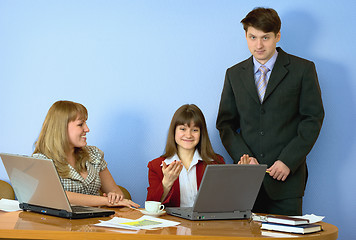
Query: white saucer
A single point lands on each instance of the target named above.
(153, 214)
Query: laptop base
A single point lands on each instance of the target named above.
(190, 215)
(65, 214)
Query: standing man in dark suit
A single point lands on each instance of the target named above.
(271, 112)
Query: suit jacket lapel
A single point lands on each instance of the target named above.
(278, 73)
(249, 80)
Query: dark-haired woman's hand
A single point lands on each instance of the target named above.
(170, 174)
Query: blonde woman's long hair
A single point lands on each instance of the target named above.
(53, 139)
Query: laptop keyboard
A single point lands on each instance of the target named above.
(81, 209)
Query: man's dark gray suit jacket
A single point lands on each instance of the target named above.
(284, 127)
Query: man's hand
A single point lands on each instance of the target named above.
(246, 159)
(279, 171)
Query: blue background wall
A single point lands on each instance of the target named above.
(133, 63)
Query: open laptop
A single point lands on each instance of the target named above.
(226, 191)
(38, 188)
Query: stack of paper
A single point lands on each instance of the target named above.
(310, 217)
(145, 222)
(303, 228)
(292, 224)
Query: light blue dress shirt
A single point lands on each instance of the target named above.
(269, 65)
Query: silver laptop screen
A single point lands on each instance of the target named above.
(35, 181)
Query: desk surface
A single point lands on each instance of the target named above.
(28, 225)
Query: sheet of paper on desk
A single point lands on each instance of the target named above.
(144, 222)
(8, 205)
(311, 217)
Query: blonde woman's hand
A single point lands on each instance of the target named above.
(113, 197)
(124, 203)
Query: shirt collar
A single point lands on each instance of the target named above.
(269, 64)
(175, 157)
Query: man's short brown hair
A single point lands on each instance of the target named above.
(264, 19)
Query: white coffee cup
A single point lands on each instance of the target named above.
(153, 207)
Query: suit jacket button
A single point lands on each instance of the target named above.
(262, 155)
(262, 133)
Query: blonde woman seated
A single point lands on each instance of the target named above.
(82, 169)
